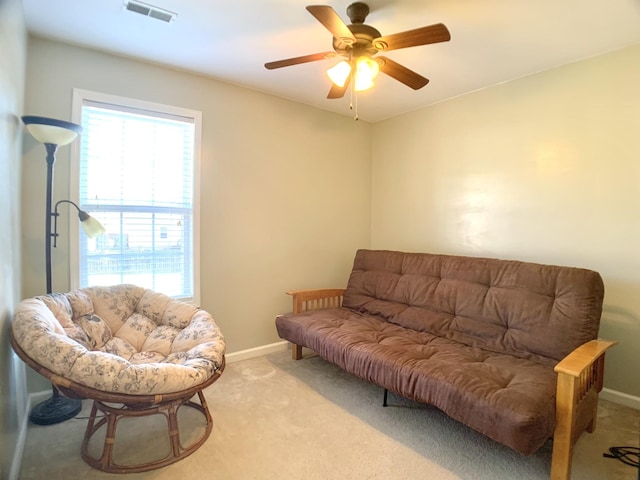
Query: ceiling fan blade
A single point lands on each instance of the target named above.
(401, 73)
(297, 60)
(338, 92)
(412, 38)
(328, 17)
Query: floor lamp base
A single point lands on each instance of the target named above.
(55, 410)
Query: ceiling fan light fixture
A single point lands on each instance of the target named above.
(339, 73)
(367, 70)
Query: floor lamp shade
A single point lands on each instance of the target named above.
(91, 226)
(51, 130)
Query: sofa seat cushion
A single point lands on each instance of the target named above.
(120, 339)
(507, 398)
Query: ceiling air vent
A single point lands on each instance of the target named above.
(150, 11)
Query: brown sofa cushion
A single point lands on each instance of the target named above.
(540, 312)
(509, 399)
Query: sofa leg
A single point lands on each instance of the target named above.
(561, 461)
(564, 434)
(384, 400)
(591, 426)
(296, 351)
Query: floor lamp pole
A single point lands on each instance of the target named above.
(51, 158)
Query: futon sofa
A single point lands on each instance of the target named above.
(509, 348)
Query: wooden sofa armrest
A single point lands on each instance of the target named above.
(304, 300)
(580, 379)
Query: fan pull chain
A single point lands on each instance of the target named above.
(351, 96)
(356, 118)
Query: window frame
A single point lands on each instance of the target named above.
(79, 98)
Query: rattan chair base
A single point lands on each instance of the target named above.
(110, 420)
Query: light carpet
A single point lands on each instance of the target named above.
(278, 418)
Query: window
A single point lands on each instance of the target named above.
(136, 168)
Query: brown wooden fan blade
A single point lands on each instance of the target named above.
(412, 38)
(297, 60)
(328, 17)
(338, 92)
(401, 73)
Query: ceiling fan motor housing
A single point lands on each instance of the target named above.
(365, 34)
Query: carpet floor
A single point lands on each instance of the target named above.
(278, 418)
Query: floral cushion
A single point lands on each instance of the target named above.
(123, 339)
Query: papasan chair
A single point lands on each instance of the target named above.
(133, 351)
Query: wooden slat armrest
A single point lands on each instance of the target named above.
(580, 379)
(304, 300)
(582, 357)
(317, 292)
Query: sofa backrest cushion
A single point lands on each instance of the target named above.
(535, 311)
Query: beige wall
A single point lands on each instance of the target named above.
(544, 168)
(286, 188)
(13, 399)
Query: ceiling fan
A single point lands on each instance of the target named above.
(358, 43)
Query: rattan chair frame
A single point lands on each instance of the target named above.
(127, 405)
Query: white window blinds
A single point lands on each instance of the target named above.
(136, 176)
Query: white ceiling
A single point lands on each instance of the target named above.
(492, 41)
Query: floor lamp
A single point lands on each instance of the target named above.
(54, 133)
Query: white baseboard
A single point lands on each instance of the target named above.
(16, 461)
(620, 398)
(257, 351)
(36, 397)
(32, 400)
